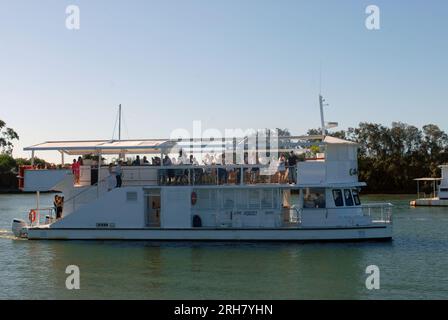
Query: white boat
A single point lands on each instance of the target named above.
(439, 197)
(249, 204)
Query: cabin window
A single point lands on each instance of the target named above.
(131, 196)
(348, 198)
(207, 199)
(314, 198)
(266, 200)
(241, 199)
(443, 189)
(338, 199)
(254, 199)
(228, 199)
(356, 197)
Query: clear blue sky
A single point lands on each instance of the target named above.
(231, 64)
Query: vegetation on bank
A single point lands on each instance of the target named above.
(389, 157)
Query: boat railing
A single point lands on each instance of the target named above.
(221, 175)
(296, 217)
(378, 212)
(39, 216)
(86, 195)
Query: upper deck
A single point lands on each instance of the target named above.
(318, 161)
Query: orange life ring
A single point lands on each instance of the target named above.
(32, 216)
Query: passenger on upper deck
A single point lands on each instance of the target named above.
(193, 160)
(76, 171)
(145, 161)
(156, 161)
(136, 161)
(292, 163)
(118, 174)
(282, 169)
(111, 179)
(222, 172)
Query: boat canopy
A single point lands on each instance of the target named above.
(158, 146)
(104, 146)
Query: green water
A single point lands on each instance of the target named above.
(414, 265)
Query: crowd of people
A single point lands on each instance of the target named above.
(212, 170)
(285, 171)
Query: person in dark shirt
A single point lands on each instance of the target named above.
(292, 163)
(136, 161)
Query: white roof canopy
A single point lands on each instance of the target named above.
(158, 146)
(103, 146)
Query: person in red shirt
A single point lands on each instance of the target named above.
(76, 170)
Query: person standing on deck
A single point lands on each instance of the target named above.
(282, 169)
(292, 163)
(118, 174)
(111, 179)
(76, 171)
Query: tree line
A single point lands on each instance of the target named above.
(391, 157)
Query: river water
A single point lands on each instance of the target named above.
(414, 265)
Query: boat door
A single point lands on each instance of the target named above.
(152, 208)
(292, 203)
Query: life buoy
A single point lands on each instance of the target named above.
(194, 198)
(32, 216)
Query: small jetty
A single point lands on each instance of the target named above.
(439, 197)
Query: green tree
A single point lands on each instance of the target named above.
(7, 163)
(7, 136)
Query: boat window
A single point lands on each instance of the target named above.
(443, 189)
(356, 197)
(207, 199)
(228, 199)
(348, 198)
(254, 199)
(314, 198)
(266, 200)
(338, 200)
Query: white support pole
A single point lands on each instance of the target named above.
(62, 158)
(99, 174)
(37, 207)
(32, 158)
(418, 190)
(434, 186)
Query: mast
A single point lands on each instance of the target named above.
(119, 122)
(322, 118)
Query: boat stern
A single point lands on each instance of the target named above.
(20, 228)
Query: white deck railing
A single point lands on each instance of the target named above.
(379, 212)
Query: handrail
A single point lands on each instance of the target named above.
(385, 211)
(299, 214)
(86, 189)
(377, 205)
(50, 210)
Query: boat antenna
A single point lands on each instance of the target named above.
(322, 104)
(119, 122)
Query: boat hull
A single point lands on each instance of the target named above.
(376, 232)
(429, 203)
